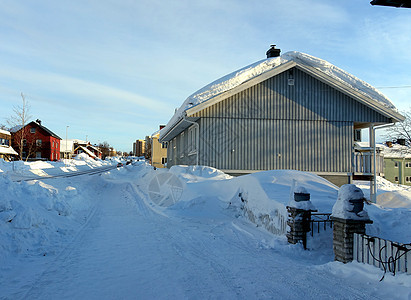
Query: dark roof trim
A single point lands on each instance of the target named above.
(393, 3)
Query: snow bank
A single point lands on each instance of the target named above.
(38, 217)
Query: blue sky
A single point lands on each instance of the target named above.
(114, 70)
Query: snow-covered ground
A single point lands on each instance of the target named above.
(138, 233)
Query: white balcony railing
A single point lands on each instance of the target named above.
(362, 162)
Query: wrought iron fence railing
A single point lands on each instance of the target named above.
(384, 254)
(320, 222)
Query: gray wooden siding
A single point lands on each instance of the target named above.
(307, 99)
(307, 127)
(178, 151)
(251, 144)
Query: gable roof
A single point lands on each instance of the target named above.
(49, 132)
(91, 154)
(255, 73)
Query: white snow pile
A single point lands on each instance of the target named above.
(344, 208)
(37, 217)
(41, 217)
(249, 72)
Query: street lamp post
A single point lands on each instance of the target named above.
(66, 144)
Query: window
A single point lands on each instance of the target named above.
(38, 143)
(33, 130)
(53, 144)
(192, 140)
(8, 142)
(164, 145)
(357, 135)
(164, 160)
(2, 141)
(407, 178)
(408, 165)
(396, 164)
(182, 147)
(24, 142)
(396, 178)
(38, 154)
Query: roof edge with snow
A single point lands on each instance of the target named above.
(258, 72)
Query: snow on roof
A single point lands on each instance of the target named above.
(91, 154)
(397, 151)
(7, 150)
(247, 73)
(4, 131)
(366, 145)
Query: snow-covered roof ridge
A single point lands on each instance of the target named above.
(341, 75)
(254, 70)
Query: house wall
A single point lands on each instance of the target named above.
(398, 168)
(5, 138)
(49, 149)
(158, 153)
(307, 126)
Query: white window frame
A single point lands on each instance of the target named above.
(39, 142)
(396, 164)
(32, 130)
(192, 140)
(182, 146)
(396, 179)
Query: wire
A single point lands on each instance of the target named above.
(392, 261)
(393, 87)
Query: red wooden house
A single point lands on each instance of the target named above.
(34, 141)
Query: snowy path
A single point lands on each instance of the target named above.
(127, 251)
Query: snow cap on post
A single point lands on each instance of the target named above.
(350, 203)
(300, 198)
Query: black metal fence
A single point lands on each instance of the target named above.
(320, 222)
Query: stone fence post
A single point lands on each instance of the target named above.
(349, 217)
(299, 216)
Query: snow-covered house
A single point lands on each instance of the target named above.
(397, 163)
(293, 111)
(6, 151)
(88, 148)
(72, 147)
(36, 141)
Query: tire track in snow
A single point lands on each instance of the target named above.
(33, 289)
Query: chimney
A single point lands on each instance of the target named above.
(401, 142)
(273, 52)
(38, 121)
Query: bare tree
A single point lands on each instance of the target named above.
(401, 130)
(17, 123)
(105, 149)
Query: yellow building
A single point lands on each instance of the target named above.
(158, 151)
